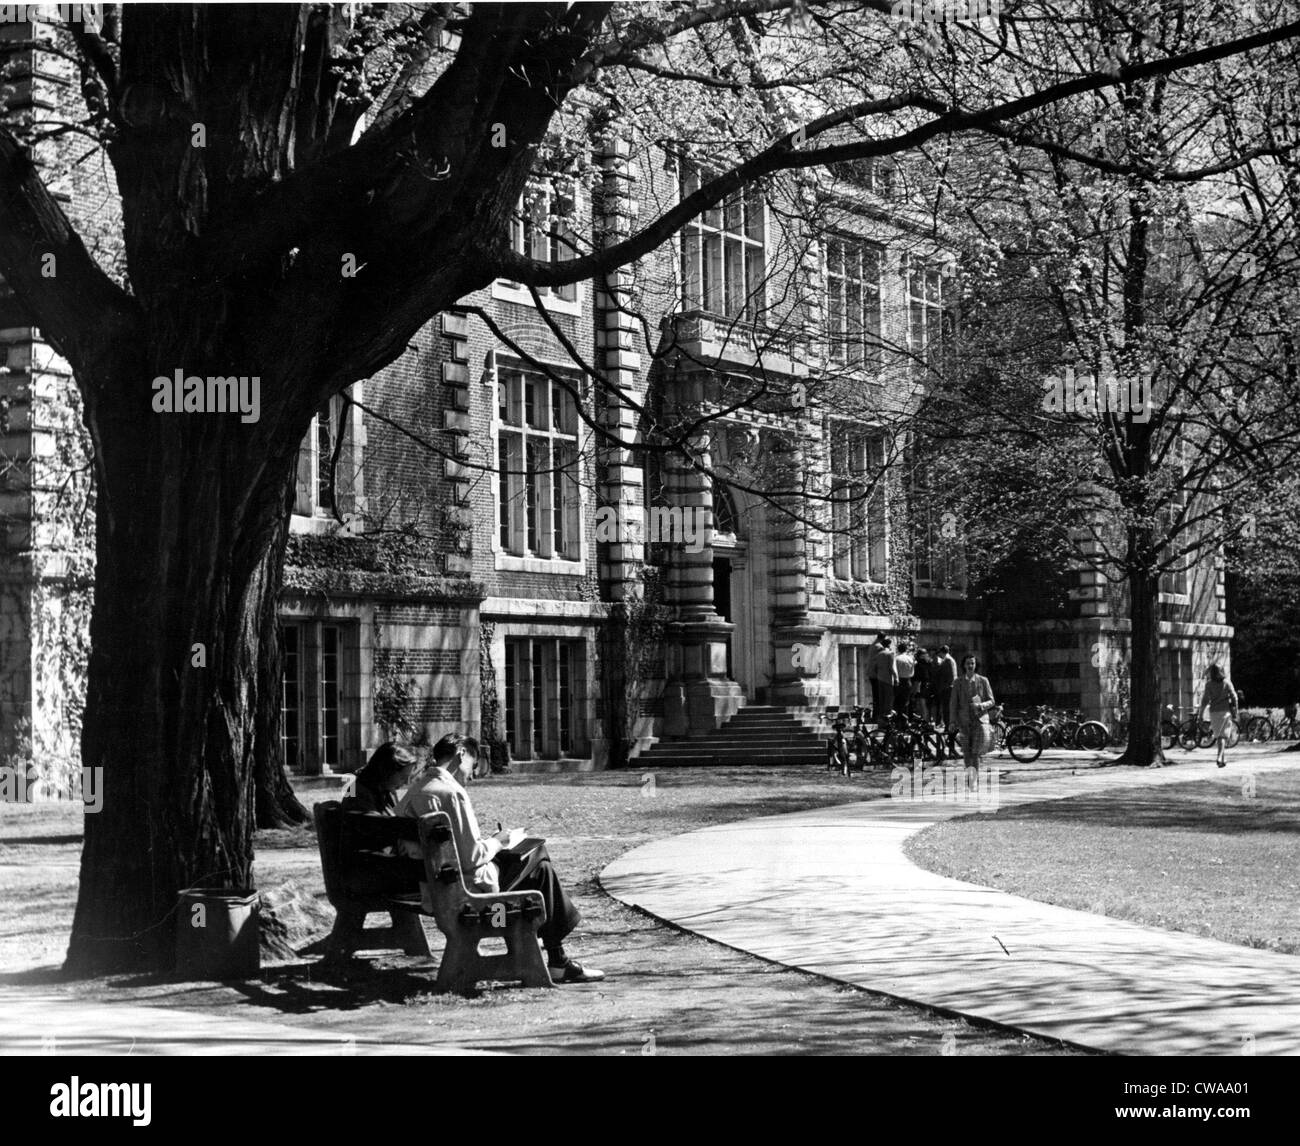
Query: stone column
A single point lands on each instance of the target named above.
(700, 696)
(800, 678)
(623, 480)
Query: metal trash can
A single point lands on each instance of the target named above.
(217, 934)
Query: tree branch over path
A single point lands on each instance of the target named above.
(784, 155)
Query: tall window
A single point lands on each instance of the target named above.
(327, 463)
(1176, 581)
(542, 229)
(723, 262)
(855, 684)
(544, 698)
(1177, 681)
(938, 558)
(291, 697)
(930, 327)
(319, 717)
(853, 301)
(858, 520)
(537, 458)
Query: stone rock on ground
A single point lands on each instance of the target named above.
(291, 918)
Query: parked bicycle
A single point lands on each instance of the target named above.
(1021, 734)
(837, 747)
(903, 741)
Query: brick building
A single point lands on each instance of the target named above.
(475, 546)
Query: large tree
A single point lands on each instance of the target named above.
(247, 195)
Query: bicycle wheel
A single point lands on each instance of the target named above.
(999, 735)
(1168, 734)
(1205, 739)
(1025, 743)
(904, 749)
(1259, 729)
(1091, 736)
(878, 739)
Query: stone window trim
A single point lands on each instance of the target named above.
(502, 560)
(859, 538)
(526, 240)
(741, 229)
(321, 519)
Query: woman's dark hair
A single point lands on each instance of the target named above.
(384, 763)
(1216, 672)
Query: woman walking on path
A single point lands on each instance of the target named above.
(972, 699)
(1221, 699)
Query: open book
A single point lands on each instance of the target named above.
(518, 841)
(520, 856)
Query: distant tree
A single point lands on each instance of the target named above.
(1169, 271)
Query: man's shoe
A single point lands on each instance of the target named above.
(575, 972)
(1222, 763)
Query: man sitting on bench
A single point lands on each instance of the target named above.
(441, 788)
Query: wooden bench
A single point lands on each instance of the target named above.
(337, 835)
(466, 918)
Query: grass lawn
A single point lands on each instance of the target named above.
(1209, 858)
(666, 991)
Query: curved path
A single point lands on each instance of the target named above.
(831, 892)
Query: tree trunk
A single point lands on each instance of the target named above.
(1144, 697)
(275, 804)
(189, 539)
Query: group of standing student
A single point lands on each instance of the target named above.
(909, 681)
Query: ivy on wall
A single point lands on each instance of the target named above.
(493, 732)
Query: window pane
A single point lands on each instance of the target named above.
(564, 411)
(566, 698)
(512, 706)
(754, 214)
(735, 272)
(733, 214)
(539, 700)
(513, 510)
(755, 270)
(330, 677)
(714, 299)
(692, 286)
(291, 697)
(324, 454)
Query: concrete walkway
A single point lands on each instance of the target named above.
(831, 892)
(44, 1021)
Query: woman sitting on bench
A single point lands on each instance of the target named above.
(376, 865)
(389, 768)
